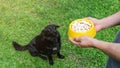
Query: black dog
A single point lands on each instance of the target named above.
(44, 45)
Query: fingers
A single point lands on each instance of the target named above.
(77, 39)
(96, 23)
(89, 18)
(74, 42)
(93, 19)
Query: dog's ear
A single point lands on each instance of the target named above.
(57, 26)
(50, 22)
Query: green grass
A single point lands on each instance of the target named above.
(22, 20)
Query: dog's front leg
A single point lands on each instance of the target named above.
(60, 56)
(42, 57)
(50, 59)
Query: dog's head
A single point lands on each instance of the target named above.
(50, 30)
(51, 37)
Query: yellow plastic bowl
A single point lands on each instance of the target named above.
(73, 34)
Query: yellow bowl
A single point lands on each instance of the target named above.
(73, 34)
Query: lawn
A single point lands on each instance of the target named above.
(22, 20)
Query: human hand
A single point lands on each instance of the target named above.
(96, 23)
(84, 41)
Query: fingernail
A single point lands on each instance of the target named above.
(76, 39)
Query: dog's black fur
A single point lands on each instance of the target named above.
(45, 44)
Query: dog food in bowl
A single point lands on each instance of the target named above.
(81, 27)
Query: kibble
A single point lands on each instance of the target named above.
(81, 26)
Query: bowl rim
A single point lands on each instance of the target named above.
(84, 19)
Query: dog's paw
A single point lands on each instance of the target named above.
(61, 56)
(51, 62)
(43, 57)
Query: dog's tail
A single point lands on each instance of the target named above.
(19, 47)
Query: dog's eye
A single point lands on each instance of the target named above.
(47, 33)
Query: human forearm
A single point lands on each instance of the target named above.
(111, 49)
(110, 20)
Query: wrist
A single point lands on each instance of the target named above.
(94, 43)
(100, 44)
(101, 24)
